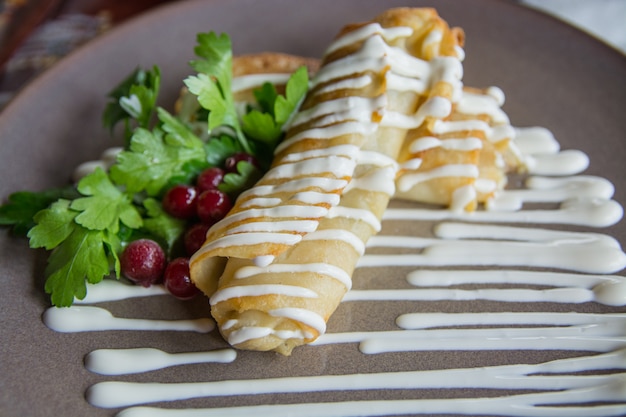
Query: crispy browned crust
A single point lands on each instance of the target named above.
(427, 19)
(424, 20)
(271, 62)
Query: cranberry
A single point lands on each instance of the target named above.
(213, 205)
(195, 237)
(230, 165)
(180, 201)
(210, 178)
(177, 279)
(143, 262)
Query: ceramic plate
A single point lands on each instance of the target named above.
(553, 76)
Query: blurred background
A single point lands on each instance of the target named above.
(34, 34)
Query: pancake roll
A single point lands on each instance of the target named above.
(278, 265)
(462, 160)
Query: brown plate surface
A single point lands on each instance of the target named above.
(553, 76)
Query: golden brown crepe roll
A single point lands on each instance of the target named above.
(462, 160)
(282, 259)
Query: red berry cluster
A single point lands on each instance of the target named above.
(202, 204)
(143, 262)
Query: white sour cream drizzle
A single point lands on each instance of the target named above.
(601, 335)
(132, 361)
(110, 290)
(89, 319)
(485, 254)
(563, 287)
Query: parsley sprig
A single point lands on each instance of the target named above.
(133, 101)
(266, 123)
(87, 226)
(261, 126)
(213, 83)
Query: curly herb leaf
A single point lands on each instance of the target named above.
(53, 225)
(262, 127)
(266, 97)
(134, 99)
(245, 177)
(104, 205)
(151, 161)
(162, 225)
(220, 148)
(22, 206)
(113, 246)
(213, 83)
(81, 255)
(295, 91)
(216, 58)
(178, 133)
(266, 125)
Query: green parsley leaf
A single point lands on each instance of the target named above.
(245, 177)
(262, 127)
(22, 206)
(113, 245)
(53, 225)
(295, 90)
(221, 107)
(216, 58)
(178, 133)
(161, 224)
(266, 97)
(81, 255)
(133, 99)
(150, 162)
(186, 174)
(105, 205)
(213, 83)
(220, 148)
(267, 126)
(141, 167)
